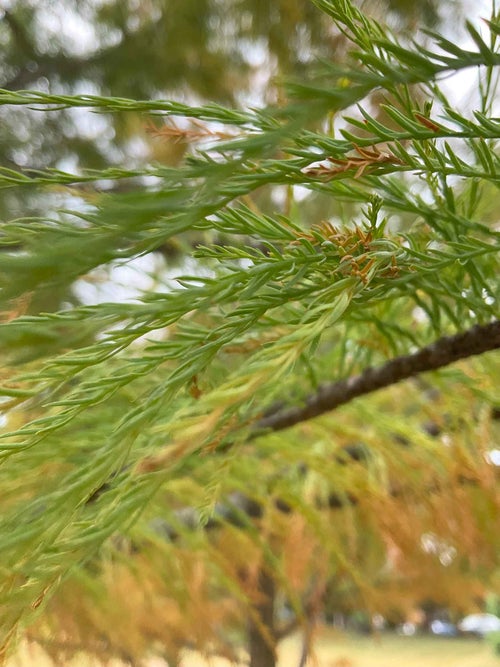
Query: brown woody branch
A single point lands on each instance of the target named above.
(441, 353)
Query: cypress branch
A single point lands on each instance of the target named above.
(441, 353)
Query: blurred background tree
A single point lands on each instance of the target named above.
(194, 50)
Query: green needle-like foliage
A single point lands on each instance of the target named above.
(109, 406)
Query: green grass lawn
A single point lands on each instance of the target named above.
(336, 649)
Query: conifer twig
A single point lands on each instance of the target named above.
(441, 353)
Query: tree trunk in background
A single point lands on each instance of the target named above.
(312, 610)
(261, 630)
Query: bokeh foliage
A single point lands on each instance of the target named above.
(192, 51)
